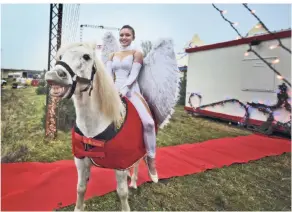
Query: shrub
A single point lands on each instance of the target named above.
(42, 88)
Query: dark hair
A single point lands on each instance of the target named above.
(130, 28)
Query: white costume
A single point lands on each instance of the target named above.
(126, 72)
(157, 79)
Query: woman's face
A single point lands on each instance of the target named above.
(126, 37)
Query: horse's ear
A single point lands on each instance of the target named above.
(89, 45)
(92, 45)
(94, 66)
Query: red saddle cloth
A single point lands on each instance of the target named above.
(121, 151)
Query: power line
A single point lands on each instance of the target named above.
(266, 28)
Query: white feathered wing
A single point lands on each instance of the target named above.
(110, 45)
(159, 80)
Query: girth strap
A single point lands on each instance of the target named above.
(78, 142)
(90, 141)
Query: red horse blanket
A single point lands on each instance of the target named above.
(114, 149)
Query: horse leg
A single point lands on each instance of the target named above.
(129, 173)
(134, 176)
(122, 188)
(83, 171)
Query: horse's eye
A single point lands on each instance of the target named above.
(86, 57)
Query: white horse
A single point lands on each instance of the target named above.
(76, 72)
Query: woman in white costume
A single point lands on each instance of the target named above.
(124, 66)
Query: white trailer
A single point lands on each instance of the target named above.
(222, 71)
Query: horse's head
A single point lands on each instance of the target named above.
(78, 70)
(74, 70)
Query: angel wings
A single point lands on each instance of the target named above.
(159, 79)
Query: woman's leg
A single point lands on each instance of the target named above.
(149, 130)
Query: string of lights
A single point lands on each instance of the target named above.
(70, 22)
(232, 24)
(266, 28)
(277, 60)
(283, 101)
(66, 31)
(270, 110)
(76, 22)
(279, 76)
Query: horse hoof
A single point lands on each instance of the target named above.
(79, 209)
(126, 209)
(133, 185)
(128, 174)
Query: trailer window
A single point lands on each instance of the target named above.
(257, 76)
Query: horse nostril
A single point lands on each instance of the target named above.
(61, 73)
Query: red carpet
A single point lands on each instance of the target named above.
(47, 186)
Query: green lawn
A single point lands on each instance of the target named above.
(22, 130)
(259, 185)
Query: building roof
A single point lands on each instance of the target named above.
(195, 41)
(182, 57)
(245, 40)
(256, 30)
(19, 70)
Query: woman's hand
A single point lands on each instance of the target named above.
(125, 91)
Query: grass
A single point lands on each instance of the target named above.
(22, 129)
(253, 186)
(184, 128)
(259, 185)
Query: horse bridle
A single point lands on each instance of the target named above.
(76, 78)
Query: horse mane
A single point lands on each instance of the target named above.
(109, 100)
(64, 48)
(110, 104)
